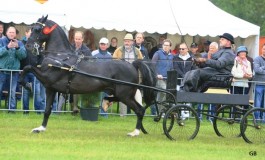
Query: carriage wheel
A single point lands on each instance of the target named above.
(181, 122)
(252, 126)
(226, 122)
(152, 124)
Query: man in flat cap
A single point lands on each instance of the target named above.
(221, 62)
(129, 53)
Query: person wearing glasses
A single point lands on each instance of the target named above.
(183, 62)
(163, 61)
(221, 62)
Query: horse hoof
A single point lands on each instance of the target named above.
(135, 133)
(35, 131)
(38, 130)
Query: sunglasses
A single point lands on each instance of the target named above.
(182, 48)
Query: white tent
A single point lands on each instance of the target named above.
(175, 17)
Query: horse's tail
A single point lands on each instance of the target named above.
(148, 75)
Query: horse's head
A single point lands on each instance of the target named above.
(40, 34)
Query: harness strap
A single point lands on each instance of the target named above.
(72, 67)
(71, 76)
(79, 59)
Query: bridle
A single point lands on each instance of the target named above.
(46, 30)
(36, 47)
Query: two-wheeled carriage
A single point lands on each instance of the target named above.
(235, 116)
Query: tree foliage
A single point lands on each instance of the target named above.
(252, 11)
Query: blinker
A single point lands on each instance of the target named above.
(47, 30)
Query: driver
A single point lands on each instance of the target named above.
(221, 62)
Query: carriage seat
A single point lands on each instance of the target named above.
(217, 82)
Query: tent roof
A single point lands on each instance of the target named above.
(163, 16)
(192, 17)
(28, 12)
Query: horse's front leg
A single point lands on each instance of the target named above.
(21, 80)
(50, 95)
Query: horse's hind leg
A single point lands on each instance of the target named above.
(50, 95)
(139, 111)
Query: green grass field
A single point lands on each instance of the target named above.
(69, 137)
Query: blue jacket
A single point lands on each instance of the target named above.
(10, 58)
(101, 55)
(163, 62)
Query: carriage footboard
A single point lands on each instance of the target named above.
(212, 98)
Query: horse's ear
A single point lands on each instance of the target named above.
(45, 19)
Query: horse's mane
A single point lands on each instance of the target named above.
(59, 29)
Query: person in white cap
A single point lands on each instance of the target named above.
(102, 54)
(128, 52)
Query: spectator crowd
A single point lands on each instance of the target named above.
(193, 66)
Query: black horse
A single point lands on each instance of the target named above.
(63, 71)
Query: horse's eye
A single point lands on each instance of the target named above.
(37, 29)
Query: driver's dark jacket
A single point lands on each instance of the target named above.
(221, 62)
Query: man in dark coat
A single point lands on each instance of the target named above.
(139, 39)
(80, 48)
(221, 62)
(183, 62)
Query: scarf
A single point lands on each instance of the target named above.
(243, 62)
(185, 57)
